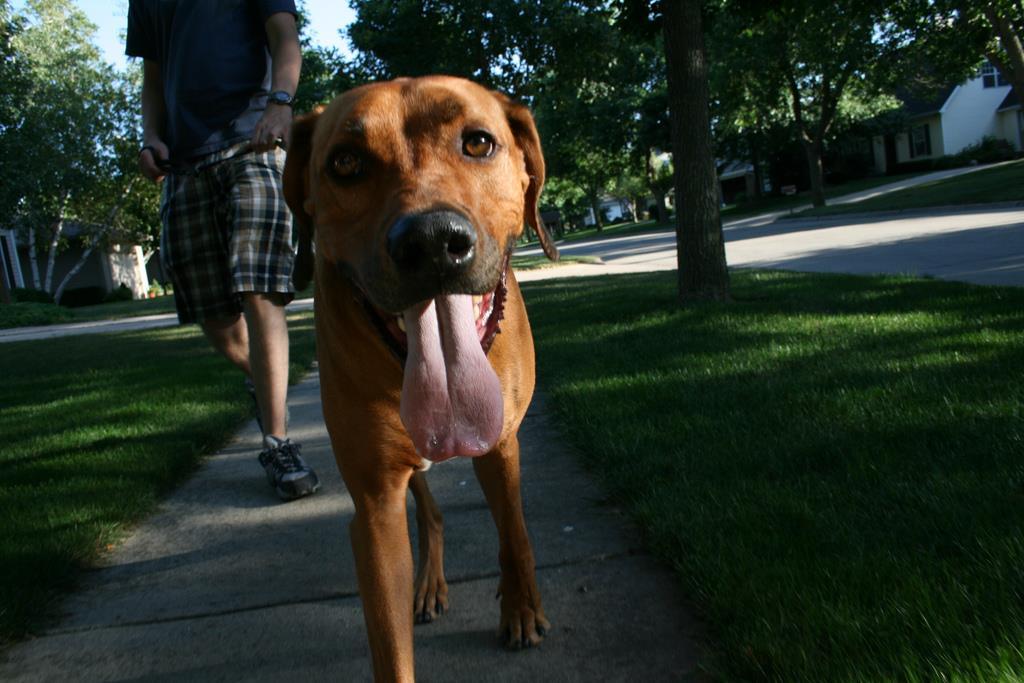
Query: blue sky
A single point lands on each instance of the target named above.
(326, 18)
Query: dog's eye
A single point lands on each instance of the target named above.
(346, 165)
(478, 145)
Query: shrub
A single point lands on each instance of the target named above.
(32, 313)
(83, 296)
(917, 166)
(986, 151)
(122, 293)
(33, 296)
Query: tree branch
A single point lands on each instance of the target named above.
(1013, 67)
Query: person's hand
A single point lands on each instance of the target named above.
(275, 126)
(153, 153)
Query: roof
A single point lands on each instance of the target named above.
(1011, 101)
(922, 104)
(734, 169)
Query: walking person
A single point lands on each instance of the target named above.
(219, 77)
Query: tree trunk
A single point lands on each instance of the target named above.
(97, 238)
(58, 228)
(51, 258)
(755, 161)
(595, 206)
(700, 246)
(812, 149)
(73, 272)
(661, 211)
(33, 259)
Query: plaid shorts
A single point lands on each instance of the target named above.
(226, 230)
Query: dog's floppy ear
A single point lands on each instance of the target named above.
(296, 192)
(525, 132)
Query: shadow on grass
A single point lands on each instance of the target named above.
(97, 429)
(831, 463)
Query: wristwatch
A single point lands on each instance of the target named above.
(280, 97)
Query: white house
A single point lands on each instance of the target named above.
(613, 209)
(958, 117)
(108, 267)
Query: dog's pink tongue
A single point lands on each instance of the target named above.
(451, 398)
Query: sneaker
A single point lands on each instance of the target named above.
(286, 471)
(251, 389)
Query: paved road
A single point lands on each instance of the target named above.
(969, 244)
(979, 244)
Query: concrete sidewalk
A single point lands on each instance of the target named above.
(225, 583)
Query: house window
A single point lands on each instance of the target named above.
(990, 77)
(920, 141)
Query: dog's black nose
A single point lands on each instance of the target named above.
(437, 244)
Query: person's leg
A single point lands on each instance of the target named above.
(268, 357)
(230, 336)
(261, 255)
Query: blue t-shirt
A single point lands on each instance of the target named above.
(215, 63)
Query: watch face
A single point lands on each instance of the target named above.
(280, 97)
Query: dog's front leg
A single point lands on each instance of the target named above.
(431, 588)
(380, 543)
(522, 617)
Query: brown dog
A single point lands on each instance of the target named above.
(415, 191)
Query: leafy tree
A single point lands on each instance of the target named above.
(660, 176)
(325, 71)
(118, 207)
(585, 137)
(633, 187)
(818, 58)
(70, 149)
(325, 74)
(1002, 23)
(653, 140)
(564, 59)
(13, 80)
(568, 198)
(951, 36)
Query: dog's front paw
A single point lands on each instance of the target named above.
(431, 596)
(522, 624)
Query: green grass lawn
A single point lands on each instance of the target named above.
(1002, 184)
(96, 430)
(832, 465)
(30, 314)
